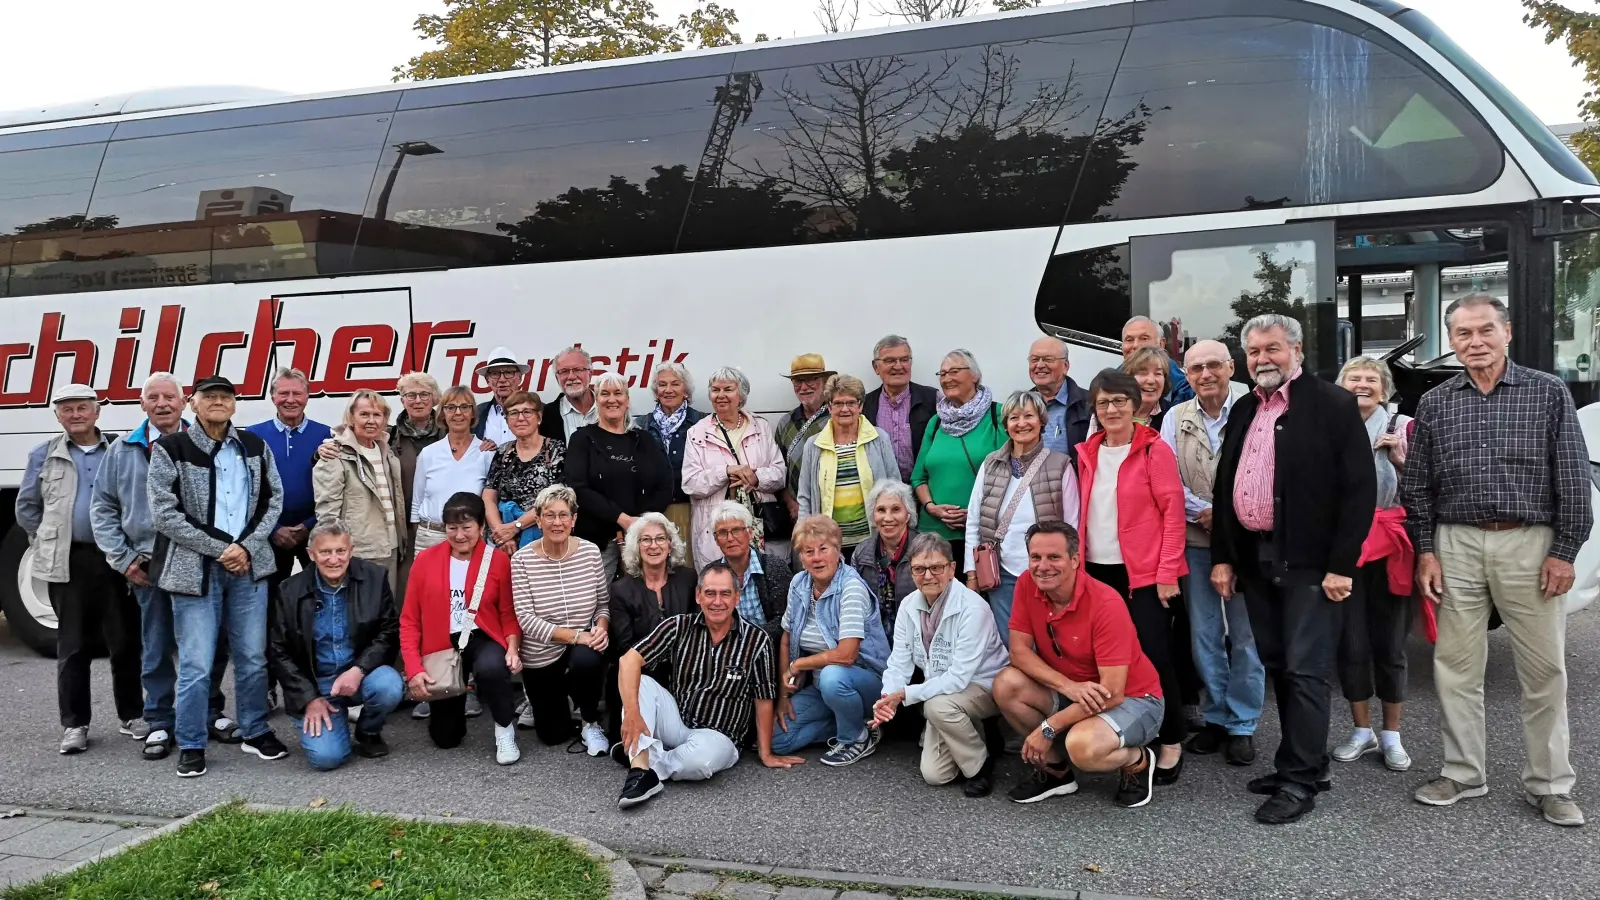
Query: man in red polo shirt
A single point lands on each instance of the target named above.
(1078, 685)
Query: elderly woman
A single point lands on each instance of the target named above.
(669, 424)
(1021, 483)
(416, 427)
(558, 584)
(831, 655)
(947, 632)
(361, 487)
(1377, 614)
(840, 463)
(883, 560)
(1150, 367)
(618, 472)
(763, 577)
(730, 455)
(1132, 535)
(448, 467)
(521, 470)
(460, 598)
(655, 585)
(966, 429)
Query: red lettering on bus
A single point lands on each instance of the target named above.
(52, 346)
(344, 359)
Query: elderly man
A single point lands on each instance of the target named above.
(1067, 405)
(900, 406)
(1297, 489)
(1142, 331)
(126, 535)
(807, 373)
(335, 633)
(504, 372)
(1234, 679)
(215, 498)
(763, 578)
(722, 683)
(575, 407)
(88, 596)
(1497, 489)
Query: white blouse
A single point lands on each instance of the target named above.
(440, 475)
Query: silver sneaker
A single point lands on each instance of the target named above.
(137, 729)
(75, 740)
(1445, 792)
(525, 717)
(421, 710)
(1396, 759)
(474, 706)
(1558, 809)
(1350, 750)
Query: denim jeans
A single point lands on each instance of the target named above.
(380, 693)
(236, 604)
(159, 672)
(835, 704)
(1235, 681)
(1000, 604)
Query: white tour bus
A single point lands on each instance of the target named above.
(965, 183)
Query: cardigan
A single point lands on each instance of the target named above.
(295, 456)
(425, 619)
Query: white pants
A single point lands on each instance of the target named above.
(678, 752)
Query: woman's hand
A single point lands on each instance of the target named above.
(504, 533)
(951, 515)
(1166, 592)
(418, 686)
(885, 708)
(513, 660)
(599, 640)
(1395, 446)
(785, 713)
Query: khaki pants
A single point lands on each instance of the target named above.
(952, 742)
(1500, 570)
(678, 514)
(426, 538)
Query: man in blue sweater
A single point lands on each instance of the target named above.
(294, 440)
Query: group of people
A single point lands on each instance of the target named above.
(1061, 573)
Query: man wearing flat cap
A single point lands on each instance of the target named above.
(807, 373)
(88, 595)
(215, 499)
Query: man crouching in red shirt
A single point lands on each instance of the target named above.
(1078, 685)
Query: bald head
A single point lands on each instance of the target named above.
(1141, 331)
(1209, 367)
(1047, 365)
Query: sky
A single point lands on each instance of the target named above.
(108, 47)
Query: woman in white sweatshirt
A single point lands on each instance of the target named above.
(946, 629)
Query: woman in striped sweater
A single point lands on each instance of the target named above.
(558, 585)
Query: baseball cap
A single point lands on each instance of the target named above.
(215, 383)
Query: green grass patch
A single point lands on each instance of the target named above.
(236, 854)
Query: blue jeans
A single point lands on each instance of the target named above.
(834, 705)
(158, 671)
(236, 604)
(1000, 604)
(1235, 683)
(381, 691)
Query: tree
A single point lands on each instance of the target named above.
(1275, 296)
(927, 10)
(1580, 32)
(1014, 5)
(77, 222)
(836, 16)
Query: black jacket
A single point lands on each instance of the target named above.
(1324, 484)
(635, 479)
(1078, 416)
(374, 625)
(634, 609)
(674, 450)
(924, 399)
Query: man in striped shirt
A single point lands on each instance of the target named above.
(722, 675)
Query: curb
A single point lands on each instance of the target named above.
(75, 815)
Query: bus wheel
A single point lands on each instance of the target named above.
(24, 599)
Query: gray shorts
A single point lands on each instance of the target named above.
(1136, 720)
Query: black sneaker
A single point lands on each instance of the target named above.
(619, 755)
(191, 763)
(1136, 788)
(1208, 741)
(982, 783)
(266, 746)
(1284, 807)
(371, 746)
(1042, 784)
(641, 785)
(1267, 785)
(1241, 750)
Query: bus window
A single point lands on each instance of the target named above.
(1086, 296)
(44, 198)
(1577, 307)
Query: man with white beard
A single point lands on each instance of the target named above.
(1293, 502)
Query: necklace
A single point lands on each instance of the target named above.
(546, 553)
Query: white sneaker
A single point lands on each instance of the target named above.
(505, 745)
(594, 739)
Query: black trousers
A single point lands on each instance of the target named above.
(1153, 622)
(285, 560)
(1183, 649)
(1372, 644)
(485, 660)
(1296, 629)
(95, 598)
(579, 674)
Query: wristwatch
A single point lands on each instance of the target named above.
(1048, 732)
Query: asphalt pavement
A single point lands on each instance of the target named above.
(1197, 839)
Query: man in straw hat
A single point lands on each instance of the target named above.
(807, 373)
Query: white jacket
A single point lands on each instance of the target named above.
(966, 647)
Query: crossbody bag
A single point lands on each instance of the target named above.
(986, 556)
(445, 666)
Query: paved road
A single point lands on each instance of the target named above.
(1197, 840)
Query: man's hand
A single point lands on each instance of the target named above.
(328, 450)
(633, 728)
(283, 536)
(1036, 749)
(1337, 587)
(1556, 577)
(1166, 593)
(319, 717)
(1092, 694)
(792, 503)
(785, 714)
(348, 682)
(1204, 518)
(418, 686)
(235, 559)
(773, 761)
(1222, 580)
(1430, 577)
(136, 574)
(885, 708)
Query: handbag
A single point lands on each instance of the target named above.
(986, 556)
(445, 666)
(776, 524)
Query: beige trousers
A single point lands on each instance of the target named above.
(425, 538)
(952, 741)
(1500, 570)
(391, 567)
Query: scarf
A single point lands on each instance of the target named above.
(956, 421)
(669, 423)
(930, 619)
(1019, 464)
(1388, 478)
(403, 429)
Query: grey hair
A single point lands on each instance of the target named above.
(731, 375)
(678, 369)
(895, 488)
(556, 492)
(971, 361)
(421, 380)
(734, 511)
(632, 563)
(330, 527)
(1020, 400)
(292, 375)
(588, 360)
(929, 542)
(1370, 364)
(887, 341)
(1266, 321)
(612, 379)
(158, 377)
(1478, 299)
(1142, 320)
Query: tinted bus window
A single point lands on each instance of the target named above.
(1249, 113)
(44, 199)
(1089, 292)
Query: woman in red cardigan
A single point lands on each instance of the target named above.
(1132, 524)
(437, 613)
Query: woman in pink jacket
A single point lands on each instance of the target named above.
(729, 455)
(1131, 521)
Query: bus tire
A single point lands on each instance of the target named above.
(23, 598)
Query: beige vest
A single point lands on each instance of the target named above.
(1197, 465)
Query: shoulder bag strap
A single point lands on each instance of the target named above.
(475, 596)
(1004, 524)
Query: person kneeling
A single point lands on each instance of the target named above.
(1078, 686)
(722, 671)
(946, 630)
(335, 633)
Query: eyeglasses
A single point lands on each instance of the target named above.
(655, 539)
(849, 403)
(1045, 360)
(952, 370)
(920, 571)
(1113, 403)
(564, 373)
(520, 413)
(1050, 629)
(414, 396)
(895, 360)
(457, 407)
(1215, 366)
(722, 533)
(501, 373)
(556, 515)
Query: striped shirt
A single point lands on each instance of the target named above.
(849, 502)
(1254, 485)
(715, 684)
(556, 593)
(378, 457)
(853, 609)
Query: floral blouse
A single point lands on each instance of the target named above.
(520, 482)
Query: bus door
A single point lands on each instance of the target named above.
(344, 341)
